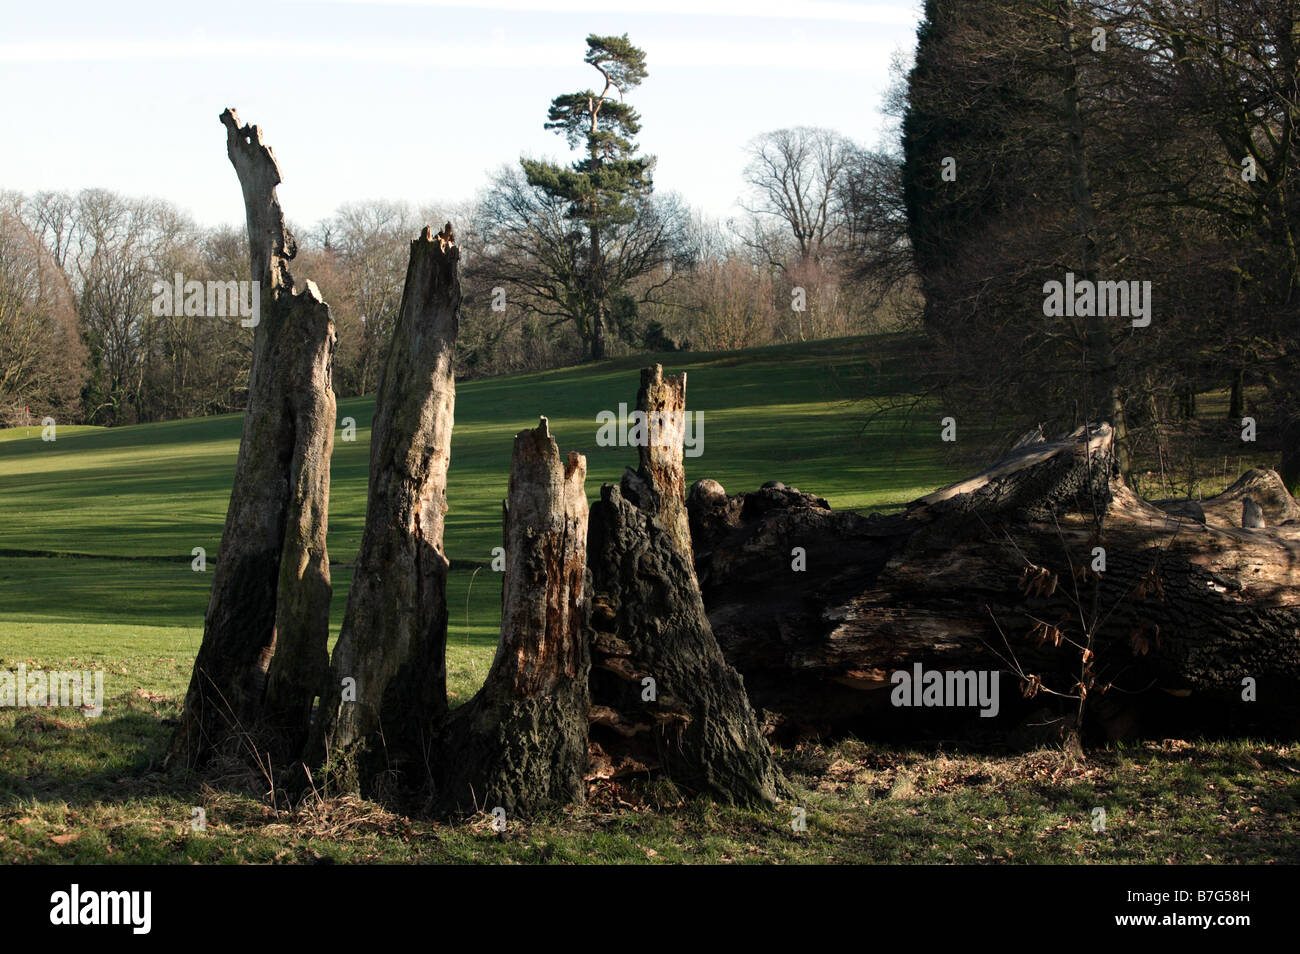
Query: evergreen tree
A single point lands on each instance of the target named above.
(602, 190)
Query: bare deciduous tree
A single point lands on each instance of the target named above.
(42, 359)
(795, 177)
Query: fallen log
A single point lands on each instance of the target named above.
(1020, 569)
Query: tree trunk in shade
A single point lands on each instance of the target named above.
(386, 692)
(663, 698)
(263, 656)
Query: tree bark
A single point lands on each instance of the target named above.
(663, 698)
(1183, 610)
(598, 333)
(521, 742)
(387, 691)
(596, 266)
(264, 652)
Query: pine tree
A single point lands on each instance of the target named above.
(603, 188)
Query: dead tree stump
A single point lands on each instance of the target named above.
(263, 655)
(387, 687)
(663, 698)
(521, 742)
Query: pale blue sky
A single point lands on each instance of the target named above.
(415, 99)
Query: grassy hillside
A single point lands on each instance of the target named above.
(96, 534)
(97, 527)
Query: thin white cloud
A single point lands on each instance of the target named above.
(899, 12)
(793, 54)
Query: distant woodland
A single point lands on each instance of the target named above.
(1147, 143)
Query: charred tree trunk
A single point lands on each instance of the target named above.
(987, 573)
(264, 653)
(521, 742)
(387, 688)
(663, 698)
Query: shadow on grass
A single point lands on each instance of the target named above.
(58, 755)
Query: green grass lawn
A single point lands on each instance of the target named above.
(96, 534)
(97, 527)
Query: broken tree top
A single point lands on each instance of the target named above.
(247, 141)
(445, 238)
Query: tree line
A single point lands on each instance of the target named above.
(1096, 142)
(1094, 146)
(563, 262)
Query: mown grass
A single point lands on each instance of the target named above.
(90, 792)
(158, 490)
(96, 534)
(98, 527)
